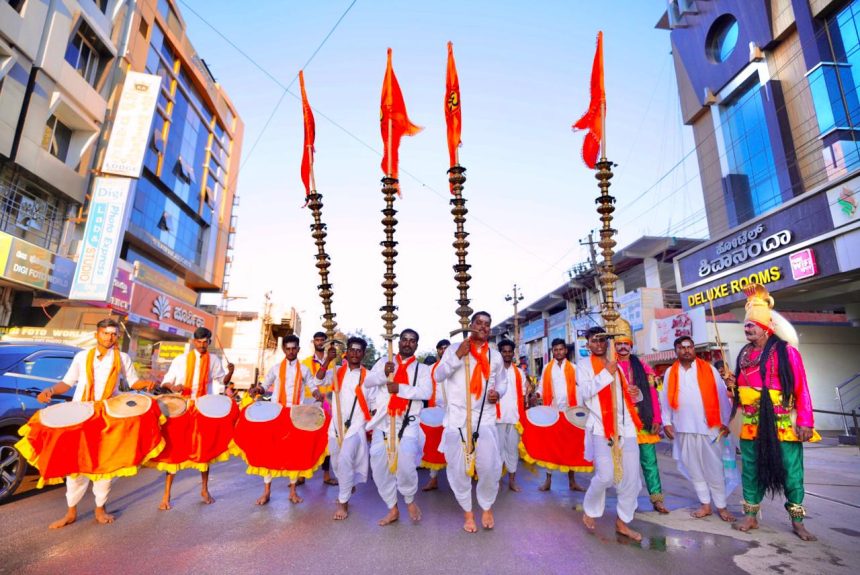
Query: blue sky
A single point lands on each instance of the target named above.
(524, 70)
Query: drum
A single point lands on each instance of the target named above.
(542, 416)
(66, 414)
(431, 424)
(262, 411)
(577, 415)
(214, 406)
(172, 405)
(127, 405)
(307, 417)
(432, 416)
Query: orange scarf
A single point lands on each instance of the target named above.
(570, 379)
(110, 384)
(707, 387)
(297, 384)
(520, 401)
(432, 400)
(202, 380)
(359, 389)
(605, 398)
(396, 404)
(481, 371)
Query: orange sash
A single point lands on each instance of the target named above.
(359, 389)
(570, 380)
(707, 387)
(297, 384)
(432, 401)
(605, 398)
(520, 401)
(396, 404)
(110, 384)
(202, 380)
(482, 371)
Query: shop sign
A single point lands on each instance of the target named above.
(76, 337)
(803, 264)
(844, 202)
(152, 278)
(131, 128)
(533, 330)
(630, 306)
(29, 265)
(749, 245)
(558, 326)
(168, 350)
(691, 323)
(734, 286)
(161, 311)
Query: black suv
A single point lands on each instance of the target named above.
(25, 370)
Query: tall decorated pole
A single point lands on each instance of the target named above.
(318, 232)
(394, 124)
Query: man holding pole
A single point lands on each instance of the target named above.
(313, 363)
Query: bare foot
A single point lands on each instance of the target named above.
(487, 519)
(513, 485)
(431, 485)
(393, 515)
(800, 530)
(342, 511)
(300, 481)
(294, 497)
(623, 529)
(574, 486)
(165, 505)
(702, 511)
(546, 484)
(69, 518)
(747, 523)
(414, 511)
(660, 508)
(588, 522)
(264, 498)
(469, 522)
(725, 515)
(103, 517)
(206, 497)
(329, 480)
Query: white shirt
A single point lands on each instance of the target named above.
(76, 377)
(176, 373)
(272, 383)
(589, 384)
(559, 385)
(440, 385)
(347, 398)
(508, 403)
(690, 416)
(416, 391)
(453, 371)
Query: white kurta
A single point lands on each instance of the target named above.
(272, 381)
(488, 462)
(506, 424)
(176, 373)
(349, 461)
(559, 385)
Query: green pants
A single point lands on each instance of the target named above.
(792, 460)
(648, 461)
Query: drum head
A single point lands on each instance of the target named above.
(577, 415)
(214, 406)
(261, 411)
(542, 416)
(432, 416)
(307, 417)
(128, 405)
(66, 414)
(172, 405)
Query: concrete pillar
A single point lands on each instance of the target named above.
(652, 273)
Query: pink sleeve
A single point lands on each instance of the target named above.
(802, 399)
(655, 402)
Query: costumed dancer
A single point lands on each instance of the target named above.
(96, 374)
(510, 410)
(193, 441)
(697, 410)
(313, 363)
(775, 424)
(401, 400)
(433, 459)
(474, 376)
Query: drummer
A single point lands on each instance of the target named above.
(193, 384)
(436, 400)
(558, 390)
(107, 382)
(288, 374)
(313, 363)
(508, 411)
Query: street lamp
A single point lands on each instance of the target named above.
(516, 298)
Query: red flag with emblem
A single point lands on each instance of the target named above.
(592, 120)
(393, 120)
(453, 114)
(310, 135)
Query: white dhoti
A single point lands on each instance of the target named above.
(488, 466)
(76, 487)
(701, 462)
(627, 491)
(409, 457)
(509, 445)
(349, 463)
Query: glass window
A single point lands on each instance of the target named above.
(56, 138)
(16, 5)
(102, 4)
(48, 367)
(171, 223)
(722, 38)
(86, 54)
(163, 8)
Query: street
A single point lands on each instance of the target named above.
(535, 532)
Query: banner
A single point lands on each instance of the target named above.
(131, 126)
(29, 265)
(691, 323)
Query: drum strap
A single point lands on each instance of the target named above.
(406, 417)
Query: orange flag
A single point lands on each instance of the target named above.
(592, 120)
(453, 114)
(393, 120)
(310, 135)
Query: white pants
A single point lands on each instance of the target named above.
(349, 463)
(509, 445)
(434, 473)
(702, 463)
(488, 465)
(405, 480)
(267, 479)
(626, 491)
(76, 487)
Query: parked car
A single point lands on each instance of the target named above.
(25, 370)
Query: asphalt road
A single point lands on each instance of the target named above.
(535, 532)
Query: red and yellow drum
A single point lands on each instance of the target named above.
(431, 424)
(554, 440)
(99, 440)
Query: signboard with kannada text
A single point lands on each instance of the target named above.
(163, 312)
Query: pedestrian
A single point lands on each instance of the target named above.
(509, 410)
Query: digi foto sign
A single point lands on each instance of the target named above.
(96, 269)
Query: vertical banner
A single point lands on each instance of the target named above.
(106, 222)
(132, 125)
